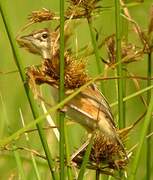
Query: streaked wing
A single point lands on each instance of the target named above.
(89, 108)
(93, 93)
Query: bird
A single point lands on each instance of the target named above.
(89, 108)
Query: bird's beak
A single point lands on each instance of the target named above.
(27, 43)
(24, 40)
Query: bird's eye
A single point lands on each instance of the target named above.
(45, 36)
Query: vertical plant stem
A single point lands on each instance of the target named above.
(124, 95)
(97, 175)
(34, 164)
(19, 164)
(85, 160)
(96, 51)
(148, 151)
(69, 169)
(125, 25)
(16, 153)
(99, 64)
(142, 136)
(29, 95)
(61, 90)
(118, 58)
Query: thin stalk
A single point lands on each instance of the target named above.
(85, 160)
(97, 175)
(142, 133)
(96, 51)
(69, 169)
(36, 170)
(133, 95)
(124, 102)
(125, 25)
(34, 164)
(29, 95)
(19, 164)
(16, 154)
(110, 177)
(148, 150)
(119, 67)
(116, 88)
(61, 92)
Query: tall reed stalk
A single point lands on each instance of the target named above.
(149, 149)
(62, 92)
(142, 136)
(16, 153)
(96, 50)
(125, 26)
(29, 95)
(85, 159)
(119, 67)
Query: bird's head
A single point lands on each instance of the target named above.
(38, 42)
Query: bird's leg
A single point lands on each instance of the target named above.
(82, 148)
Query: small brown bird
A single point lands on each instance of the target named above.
(89, 108)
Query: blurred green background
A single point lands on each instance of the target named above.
(13, 96)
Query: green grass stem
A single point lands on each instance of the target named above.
(133, 95)
(19, 164)
(16, 154)
(34, 164)
(96, 50)
(62, 93)
(148, 150)
(85, 160)
(125, 25)
(27, 92)
(119, 67)
(68, 161)
(142, 138)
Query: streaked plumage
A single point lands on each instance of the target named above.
(89, 108)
